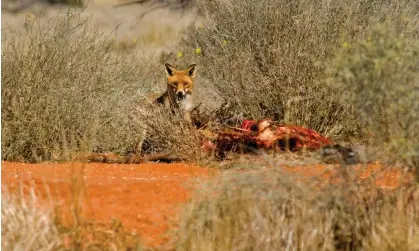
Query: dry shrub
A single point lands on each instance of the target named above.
(378, 74)
(62, 87)
(270, 210)
(265, 56)
(165, 132)
(24, 226)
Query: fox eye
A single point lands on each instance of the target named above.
(186, 84)
(174, 83)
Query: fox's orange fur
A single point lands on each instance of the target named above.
(178, 95)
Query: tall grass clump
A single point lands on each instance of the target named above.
(26, 226)
(63, 87)
(264, 56)
(270, 210)
(378, 74)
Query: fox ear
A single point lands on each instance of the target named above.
(191, 70)
(170, 70)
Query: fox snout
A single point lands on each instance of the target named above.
(180, 94)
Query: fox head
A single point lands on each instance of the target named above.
(180, 82)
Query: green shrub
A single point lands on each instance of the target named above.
(378, 75)
(63, 88)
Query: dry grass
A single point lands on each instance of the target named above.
(166, 132)
(26, 226)
(266, 209)
(63, 86)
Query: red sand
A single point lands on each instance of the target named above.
(146, 198)
(381, 176)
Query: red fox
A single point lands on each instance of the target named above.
(178, 94)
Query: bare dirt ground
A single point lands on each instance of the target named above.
(144, 198)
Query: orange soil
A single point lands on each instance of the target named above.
(379, 175)
(146, 198)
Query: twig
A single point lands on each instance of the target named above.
(163, 157)
(130, 3)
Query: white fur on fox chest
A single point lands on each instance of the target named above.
(185, 104)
